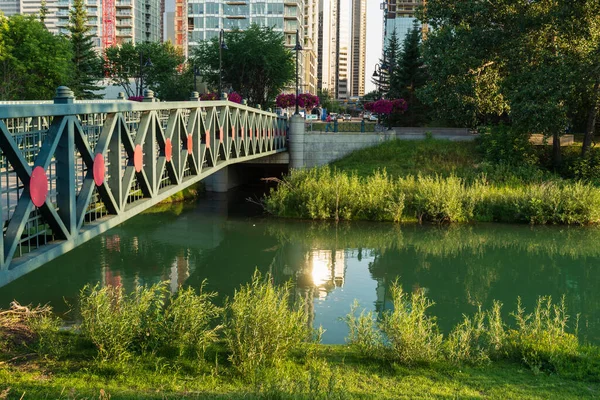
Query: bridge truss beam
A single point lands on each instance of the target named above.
(72, 170)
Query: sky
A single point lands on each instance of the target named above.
(374, 40)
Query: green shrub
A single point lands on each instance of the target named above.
(466, 342)
(504, 145)
(540, 339)
(261, 328)
(362, 334)
(411, 334)
(440, 199)
(189, 321)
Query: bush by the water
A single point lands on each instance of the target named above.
(262, 325)
(147, 320)
(325, 193)
(408, 335)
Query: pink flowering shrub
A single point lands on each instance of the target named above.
(209, 96)
(235, 97)
(136, 98)
(285, 100)
(388, 109)
(305, 100)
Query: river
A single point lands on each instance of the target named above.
(223, 239)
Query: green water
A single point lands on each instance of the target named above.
(460, 267)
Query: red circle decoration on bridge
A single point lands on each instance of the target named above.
(190, 143)
(168, 149)
(138, 158)
(99, 169)
(38, 186)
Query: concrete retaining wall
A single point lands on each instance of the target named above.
(323, 148)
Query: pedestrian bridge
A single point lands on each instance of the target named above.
(70, 170)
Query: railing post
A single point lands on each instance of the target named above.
(223, 96)
(194, 96)
(64, 95)
(335, 126)
(121, 96)
(296, 141)
(148, 96)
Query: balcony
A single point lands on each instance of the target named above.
(123, 3)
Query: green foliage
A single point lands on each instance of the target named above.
(362, 334)
(412, 335)
(540, 339)
(257, 65)
(189, 320)
(33, 61)
(322, 193)
(408, 77)
(164, 76)
(504, 145)
(87, 64)
(260, 328)
(146, 321)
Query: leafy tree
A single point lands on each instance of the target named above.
(43, 11)
(408, 77)
(327, 102)
(33, 62)
(122, 65)
(535, 62)
(87, 64)
(257, 65)
(166, 73)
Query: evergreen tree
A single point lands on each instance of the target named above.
(387, 65)
(43, 11)
(409, 76)
(87, 64)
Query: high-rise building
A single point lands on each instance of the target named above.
(399, 16)
(207, 17)
(359, 48)
(311, 18)
(111, 21)
(10, 7)
(342, 47)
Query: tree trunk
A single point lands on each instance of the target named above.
(556, 159)
(591, 122)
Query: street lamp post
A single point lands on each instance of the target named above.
(297, 48)
(142, 65)
(222, 46)
(196, 74)
(378, 75)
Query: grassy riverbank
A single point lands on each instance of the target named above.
(151, 344)
(433, 180)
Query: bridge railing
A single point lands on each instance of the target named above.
(70, 169)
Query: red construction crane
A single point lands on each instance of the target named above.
(108, 24)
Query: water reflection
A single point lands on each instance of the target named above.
(460, 267)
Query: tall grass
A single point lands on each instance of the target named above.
(146, 321)
(325, 193)
(407, 335)
(262, 326)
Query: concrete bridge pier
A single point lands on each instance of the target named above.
(296, 142)
(224, 179)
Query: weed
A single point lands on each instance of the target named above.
(261, 329)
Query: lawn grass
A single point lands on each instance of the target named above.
(341, 374)
(401, 158)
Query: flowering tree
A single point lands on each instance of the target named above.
(387, 108)
(136, 98)
(285, 100)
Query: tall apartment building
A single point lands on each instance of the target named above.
(207, 17)
(111, 21)
(10, 7)
(342, 47)
(399, 15)
(311, 18)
